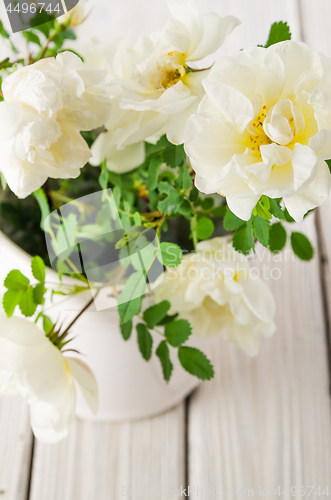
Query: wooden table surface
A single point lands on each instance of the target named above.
(262, 422)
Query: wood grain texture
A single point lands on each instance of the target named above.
(265, 422)
(316, 33)
(15, 449)
(97, 460)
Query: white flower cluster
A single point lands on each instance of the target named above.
(46, 106)
(264, 127)
(32, 366)
(214, 290)
(252, 125)
(153, 86)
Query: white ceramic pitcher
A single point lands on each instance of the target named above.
(129, 387)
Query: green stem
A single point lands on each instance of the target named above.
(90, 302)
(194, 221)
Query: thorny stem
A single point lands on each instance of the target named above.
(49, 41)
(90, 302)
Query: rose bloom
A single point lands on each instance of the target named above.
(32, 366)
(46, 106)
(214, 290)
(264, 127)
(153, 86)
(75, 16)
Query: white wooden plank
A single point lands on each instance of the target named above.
(316, 33)
(265, 422)
(15, 449)
(97, 460)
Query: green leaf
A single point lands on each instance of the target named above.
(174, 156)
(219, 211)
(301, 246)
(137, 219)
(275, 209)
(103, 177)
(265, 201)
(171, 254)
(329, 164)
(167, 319)
(47, 324)
(129, 309)
(44, 208)
(125, 219)
(243, 240)
(195, 362)
(261, 228)
(38, 294)
(232, 222)
(10, 300)
(163, 354)
(194, 194)
(15, 280)
(167, 176)
(153, 172)
(130, 298)
(27, 304)
(186, 210)
(207, 204)
(115, 179)
(145, 341)
(184, 180)
(262, 211)
(117, 195)
(38, 268)
(279, 32)
(73, 52)
(205, 228)
(288, 217)
(177, 332)
(31, 37)
(278, 237)
(3, 32)
(172, 202)
(59, 39)
(3, 181)
(126, 329)
(154, 314)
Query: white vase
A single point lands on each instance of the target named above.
(129, 387)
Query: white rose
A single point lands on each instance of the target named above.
(264, 127)
(154, 90)
(214, 290)
(33, 367)
(118, 160)
(75, 16)
(46, 105)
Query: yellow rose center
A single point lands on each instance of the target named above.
(259, 137)
(283, 124)
(168, 70)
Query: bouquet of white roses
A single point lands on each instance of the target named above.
(180, 172)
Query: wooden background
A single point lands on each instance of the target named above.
(261, 422)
